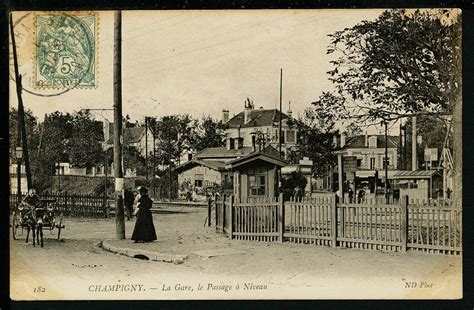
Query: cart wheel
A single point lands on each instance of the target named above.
(60, 226)
(14, 225)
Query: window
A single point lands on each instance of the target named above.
(373, 142)
(386, 162)
(290, 136)
(198, 180)
(359, 163)
(257, 185)
(372, 163)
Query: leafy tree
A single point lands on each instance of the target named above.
(174, 134)
(290, 182)
(32, 130)
(84, 145)
(353, 130)
(400, 64)
(315, 140)
(404, 63)
(210, 133)
(262, 139)
(433, 132)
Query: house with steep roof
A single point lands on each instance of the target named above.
(209, 167)
(137, 137)
(247, 123)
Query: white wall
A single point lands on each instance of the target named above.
(210, 175)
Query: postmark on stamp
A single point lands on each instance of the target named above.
(65, 50)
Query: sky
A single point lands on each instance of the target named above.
(200, 62)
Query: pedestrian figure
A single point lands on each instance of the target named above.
(360, 195)
(128, 202)
(144, 230)
(297, 193)
(351, 195)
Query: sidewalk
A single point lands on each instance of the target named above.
(184, 235)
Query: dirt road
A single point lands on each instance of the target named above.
(78, 269)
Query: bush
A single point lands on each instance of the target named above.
(290, 182)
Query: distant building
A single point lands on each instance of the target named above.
(245, 124)
(256, 174)
(419, 185)
(364, 162)
(370, 151)
(208, 166)
(133, 136)
(220, 166)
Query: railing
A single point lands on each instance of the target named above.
(435, 229)
(73, 204)
(309, 220)
(376, 227)
(323, 221)
(256, 221)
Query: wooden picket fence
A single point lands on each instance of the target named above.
(73, 204)
(323, 221)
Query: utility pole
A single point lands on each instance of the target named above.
(414, 161)
(400, 148)
(279, 120)
(405, 152)
(118, 172)
(279, 130)
(169, 161)
(105, 172)
(21, 111)
(154, 152)
(146, 148)
(59, 176)
(386, 163)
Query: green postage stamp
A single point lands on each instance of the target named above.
(65, 50)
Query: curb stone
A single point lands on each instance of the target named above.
(155, 256)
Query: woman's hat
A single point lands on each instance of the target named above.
(142, 189)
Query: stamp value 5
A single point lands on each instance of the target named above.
(65, 50)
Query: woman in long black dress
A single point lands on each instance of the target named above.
(144, 230)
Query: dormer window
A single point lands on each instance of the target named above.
(373, 142)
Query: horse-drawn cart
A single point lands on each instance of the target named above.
(35, 219)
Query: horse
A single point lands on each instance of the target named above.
(34, 222)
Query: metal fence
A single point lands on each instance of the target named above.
(72, 204)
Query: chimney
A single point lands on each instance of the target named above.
(343, 139)
(290, 113)
(225, 116)
(190, 156)
(247, 109)
(366, 139)
(106, 129)
(253, 143)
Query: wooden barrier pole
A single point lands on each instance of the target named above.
(404, 226)
(209, 212)
(334, 221)
(215, 206)
(231, 230)
(65, 202)
(281, 217)
(223, 213)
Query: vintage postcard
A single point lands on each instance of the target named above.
(236, 154)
